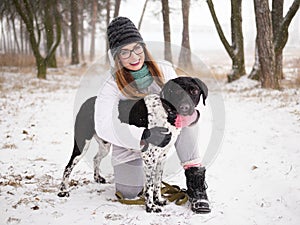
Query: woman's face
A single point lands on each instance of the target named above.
(132, 56)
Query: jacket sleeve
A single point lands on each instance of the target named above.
(107, 125)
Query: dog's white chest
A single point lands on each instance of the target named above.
(157, 116)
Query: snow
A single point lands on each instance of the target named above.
(254, 179)
(252, 166)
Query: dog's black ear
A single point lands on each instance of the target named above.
(203, 88)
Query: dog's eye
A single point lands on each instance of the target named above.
(194, 91)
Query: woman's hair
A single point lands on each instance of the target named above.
(125, 81)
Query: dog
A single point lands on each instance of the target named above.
(179, 96)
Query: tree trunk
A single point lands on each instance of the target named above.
(65, 32)
(3, 36)
(236, 50)
(255, 72)
(9, 39)
(74, 32)
(15, 35)
(280, 29)
(21, 37)
(81, 30)
(41, 67)
(28, 16)
(48, 23)
(117, 8)
(107, 23)
(167, 30)
(277, 18)
(280, 34)
(265, 44)
(142, 15)
(185, 60)
(94, 20)
(238, 61)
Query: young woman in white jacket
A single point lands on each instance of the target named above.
(133, 75)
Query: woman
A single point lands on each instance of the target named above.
(135, 74)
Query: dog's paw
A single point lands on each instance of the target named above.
(99, 179)
(63, 194)
(153, 208)
(160, 202)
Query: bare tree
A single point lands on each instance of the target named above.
(117, 8)
(167, 30)
(279, 26)
(66, 27)
(185, 60)
(142, 15)
(280, 30)
(236, 49)
(107, 23)
(265, 46)
(93, 24)
(81, 27)
(74, 32)
(28, 11)
(49, 18)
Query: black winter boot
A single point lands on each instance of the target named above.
(196, 189)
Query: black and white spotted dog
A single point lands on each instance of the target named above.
(178, 96)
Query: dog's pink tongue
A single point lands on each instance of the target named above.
(185, 121)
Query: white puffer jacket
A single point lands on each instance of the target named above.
(108, 126)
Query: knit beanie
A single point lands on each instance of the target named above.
(121, 31)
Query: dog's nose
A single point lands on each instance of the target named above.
(184, 107)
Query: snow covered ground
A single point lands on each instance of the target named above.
(254, 179)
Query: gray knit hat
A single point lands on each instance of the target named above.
(121, 31)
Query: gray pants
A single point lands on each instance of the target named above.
(129, 176)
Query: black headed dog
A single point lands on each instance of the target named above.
(179, 96)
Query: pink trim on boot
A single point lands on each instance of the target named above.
(192, 165)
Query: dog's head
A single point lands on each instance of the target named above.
(183, 94)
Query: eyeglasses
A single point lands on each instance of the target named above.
(126, 53)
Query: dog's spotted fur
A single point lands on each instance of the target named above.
(154, 157)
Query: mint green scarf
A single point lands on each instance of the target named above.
(142, 77)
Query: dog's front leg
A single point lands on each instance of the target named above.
(158, 200)
(148, 193)
(149, 168)
(149, 190)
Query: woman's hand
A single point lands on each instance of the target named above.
(157, 136)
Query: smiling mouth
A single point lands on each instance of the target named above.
(135, 63)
